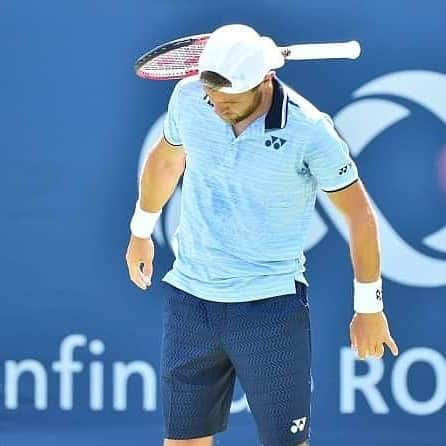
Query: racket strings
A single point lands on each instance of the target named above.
(177, 62)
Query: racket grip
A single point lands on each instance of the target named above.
(313, 51)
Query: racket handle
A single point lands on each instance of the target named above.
(312, 51)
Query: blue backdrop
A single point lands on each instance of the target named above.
(80, 343)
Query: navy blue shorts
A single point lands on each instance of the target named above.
(265, 343)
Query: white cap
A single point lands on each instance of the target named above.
(241, 55)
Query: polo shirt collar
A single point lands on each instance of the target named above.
(276, 118)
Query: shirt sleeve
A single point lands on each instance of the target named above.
(171, 129)
(328, 159)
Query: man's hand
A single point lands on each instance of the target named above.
(369, 333)
(139, 259)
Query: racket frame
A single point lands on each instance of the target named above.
(165, 48)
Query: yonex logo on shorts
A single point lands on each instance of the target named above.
(276, 142)
(298, 425)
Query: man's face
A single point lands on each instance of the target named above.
(234, 108)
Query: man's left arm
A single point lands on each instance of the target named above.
(369, 329)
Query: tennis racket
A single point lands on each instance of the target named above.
(179, 58)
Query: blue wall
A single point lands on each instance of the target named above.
(73, 122)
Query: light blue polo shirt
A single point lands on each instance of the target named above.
(247, 201)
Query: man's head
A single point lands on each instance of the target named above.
(235, 69)
(233, 107)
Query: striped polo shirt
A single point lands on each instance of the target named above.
(247, 200)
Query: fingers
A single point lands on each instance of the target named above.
(146, 272)
(379, 350)
(392, 345)
(368, 351)
(364, 351)
(353, 343)
(136, 275)
(139, 258)
(140, 274)
(361, 349)
(369, 334)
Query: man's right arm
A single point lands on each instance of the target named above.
(162, 171)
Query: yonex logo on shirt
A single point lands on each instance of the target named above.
(344, 169)
(276, 142)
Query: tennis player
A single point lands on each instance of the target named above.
(253, 154)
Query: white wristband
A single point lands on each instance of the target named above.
(143, 223)
(368, 297)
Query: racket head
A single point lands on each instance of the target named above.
(176, 59)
